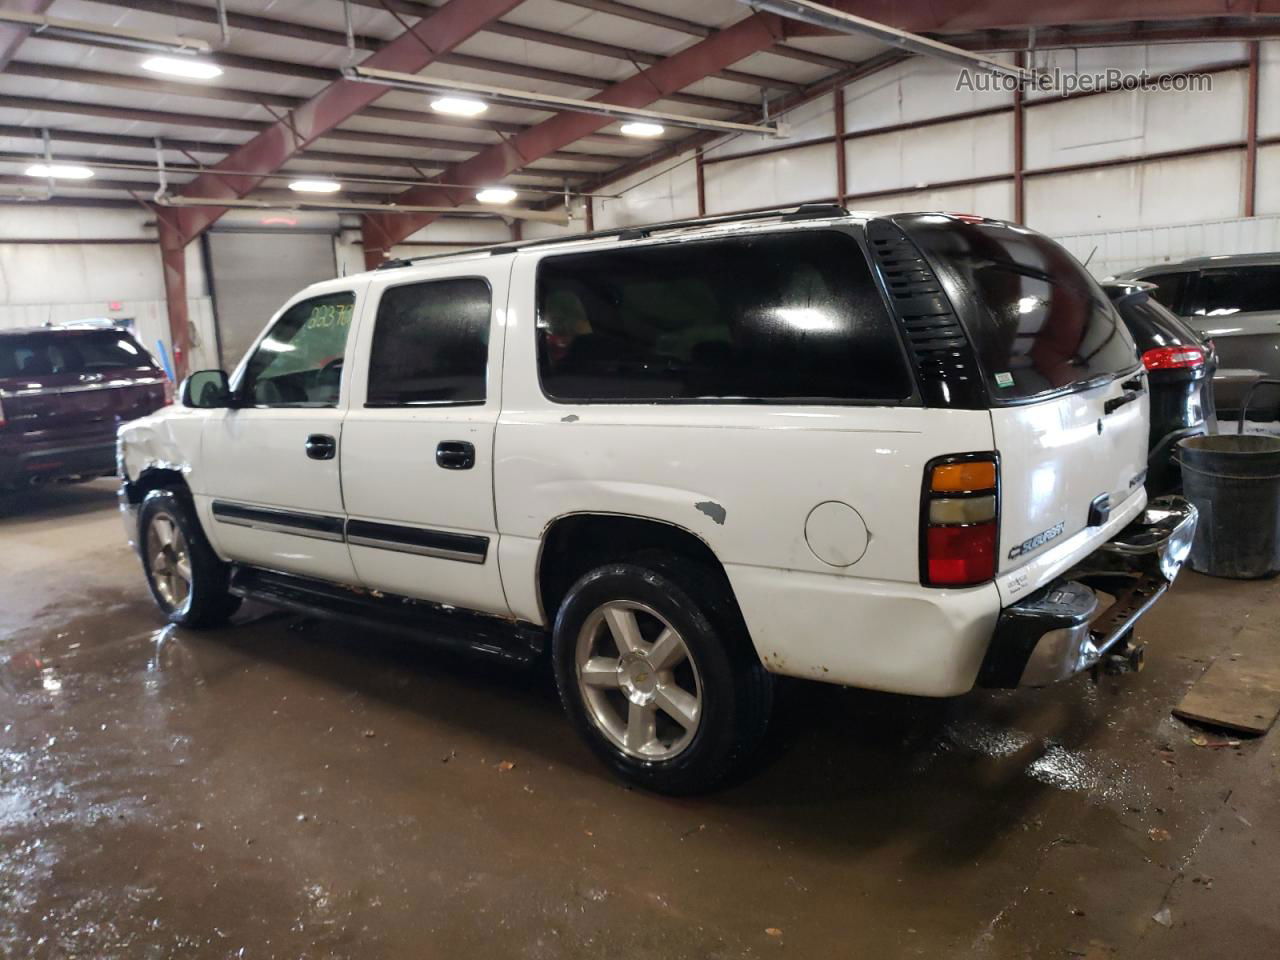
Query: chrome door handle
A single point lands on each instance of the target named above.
(321, 446)
(456, 455)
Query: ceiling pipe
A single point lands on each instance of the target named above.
(517, 213)
(818, 15)
(547, 101)
(58, 27)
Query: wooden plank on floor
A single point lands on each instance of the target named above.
(1241, 689)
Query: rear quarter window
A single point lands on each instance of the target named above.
(762, 317)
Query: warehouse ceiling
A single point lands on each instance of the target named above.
(701, 60)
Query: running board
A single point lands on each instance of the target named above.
(448, 628)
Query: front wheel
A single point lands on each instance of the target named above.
(666, 689)
(187, 580)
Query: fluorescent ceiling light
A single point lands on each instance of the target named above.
(638, 128)
(59, 171)
(315, 186)
(188, 68)
(459, 106)
(496, 195)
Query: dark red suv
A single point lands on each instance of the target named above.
(63, 393)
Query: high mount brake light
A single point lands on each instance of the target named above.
(1173, 358)
(959, 520)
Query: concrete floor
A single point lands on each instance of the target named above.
(286, 789)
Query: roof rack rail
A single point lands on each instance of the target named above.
(805, 211)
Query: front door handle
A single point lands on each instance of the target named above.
(321, 446)
(456, 455)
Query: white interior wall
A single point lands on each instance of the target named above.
(60, 282)
(909, 169)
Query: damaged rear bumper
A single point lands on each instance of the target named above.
(1065, 628)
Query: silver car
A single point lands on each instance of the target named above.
(1233, 301)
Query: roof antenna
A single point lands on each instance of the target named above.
(1091, 253)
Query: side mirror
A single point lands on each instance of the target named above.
(207, 390)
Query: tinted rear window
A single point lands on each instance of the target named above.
(1039, 322)
(44, 354)
(1152, 325)
(784, 316)
(1221, 293)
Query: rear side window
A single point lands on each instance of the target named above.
(785, 316)
(1038, 321)
(44, 354)
(431, 344)
(1222, 293)
(1170, 289)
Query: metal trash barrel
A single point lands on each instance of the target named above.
(1234, 481)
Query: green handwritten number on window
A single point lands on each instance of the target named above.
(326, 315)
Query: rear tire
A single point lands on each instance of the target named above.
(188, 581)
(666, 689)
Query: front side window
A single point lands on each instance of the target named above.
(431, 344)
(299, 363)
(783, 316)
(1224, 293)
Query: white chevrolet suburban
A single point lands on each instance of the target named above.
(903, 453)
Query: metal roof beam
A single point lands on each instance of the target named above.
(12, 34)
(234, 95)
(295, 31)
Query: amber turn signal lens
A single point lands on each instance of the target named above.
(959, 477)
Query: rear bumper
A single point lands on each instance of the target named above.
(1063, 628)
(20, 465)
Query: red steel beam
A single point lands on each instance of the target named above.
(725, 47)
(267, 152)
(410, 52)
(1019, 148)
(12, 34)
(842, 175)
(1251, 134)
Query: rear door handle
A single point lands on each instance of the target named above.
(321, 446)
(456, 455)
(1115, 403)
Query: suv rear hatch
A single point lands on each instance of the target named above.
(68, 387)
(1062, 380)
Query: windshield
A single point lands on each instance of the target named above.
(1038, 321)
(45, 354)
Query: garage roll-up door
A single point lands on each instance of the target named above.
(253, 274)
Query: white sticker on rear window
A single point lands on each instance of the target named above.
(1004, 379)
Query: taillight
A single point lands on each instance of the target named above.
(1, 413)
(959, 520)
(168, 392)
(1173, 358)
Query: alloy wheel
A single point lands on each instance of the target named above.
(170, 561)
(638, 680)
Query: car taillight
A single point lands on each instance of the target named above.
(1, 413)
(168, 392)
(1173, 358)
(959, 520)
